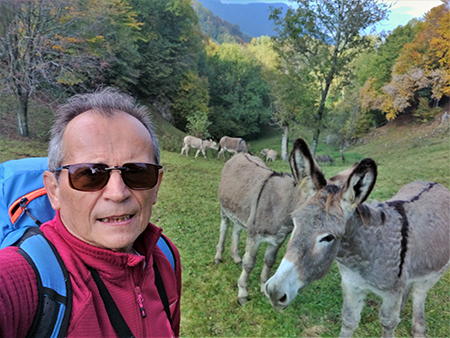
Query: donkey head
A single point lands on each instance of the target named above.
(319, 223)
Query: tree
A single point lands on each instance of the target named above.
(325, 36)
(284, 94)
(32, 49)
(49, 46)
(198, 124)
(171, 48)
(422, 70)
(420, 74)
(239, 96)
(376, 69)
(111, 31)
(347, 120)
(385, 53)
(192, 96)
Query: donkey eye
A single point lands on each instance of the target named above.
(327, 238)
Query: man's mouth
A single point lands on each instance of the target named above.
(115, 219)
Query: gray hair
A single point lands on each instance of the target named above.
(108, 102)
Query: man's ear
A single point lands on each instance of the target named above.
(160, 176)
(52, 187)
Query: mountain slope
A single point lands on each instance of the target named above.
(218, 29)
(252, 19)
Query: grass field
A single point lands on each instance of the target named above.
(189, 212)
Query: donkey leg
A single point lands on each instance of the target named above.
(225, 222)
(390, 313)
(420, 291)
(405, 295)
(221, 152)
(269, 260)
(196, 154)
(236, 234)
(248, 263)
(351, 309)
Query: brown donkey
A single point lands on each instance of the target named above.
(390, 248)
(260, 201)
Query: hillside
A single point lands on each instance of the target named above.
(404, 149)
(218, 29)
(252, 19)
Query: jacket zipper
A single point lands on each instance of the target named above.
(140, 301)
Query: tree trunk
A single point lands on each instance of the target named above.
(319, 115)
(22, 116)
(342, 149)
(284, 144)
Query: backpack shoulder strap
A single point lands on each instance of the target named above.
(54, 288)
(166, 248)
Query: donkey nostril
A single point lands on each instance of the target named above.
(283, 299)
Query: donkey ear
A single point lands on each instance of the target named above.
(359, 185)
(305, 170)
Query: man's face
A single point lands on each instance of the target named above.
(116, 215)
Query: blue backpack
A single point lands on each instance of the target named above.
(24, 204)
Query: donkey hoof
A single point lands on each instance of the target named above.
(242, 300)
(217, 261)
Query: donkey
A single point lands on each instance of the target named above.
(199, 144)
(324, 159)
(259, 200)
(269, 154)
(232, 145)
(389, 248)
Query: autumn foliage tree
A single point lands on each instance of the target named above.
(420, 74)
(32, 49)
(49, 46)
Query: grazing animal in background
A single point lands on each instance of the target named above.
(260, 201)
(232, 145)
(199, 144)
(324, 159)
(390, 248)
(269, 154)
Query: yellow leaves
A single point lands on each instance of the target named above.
(97, 39)
(431, 46)
(389, 110)
(212, 48)
(69, 78)
(440, 44)
(59, 48)
(68, 39)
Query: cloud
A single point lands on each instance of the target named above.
(416, 8)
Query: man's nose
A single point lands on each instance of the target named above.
(116, 189)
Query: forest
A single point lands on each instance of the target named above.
(320, 70)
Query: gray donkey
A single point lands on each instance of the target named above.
(260, 201)
(389, 248)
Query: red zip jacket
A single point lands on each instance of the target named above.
(128, 277)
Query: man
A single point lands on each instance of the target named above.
(101, 144)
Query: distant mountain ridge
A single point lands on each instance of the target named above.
(218, 29)
(252, 19)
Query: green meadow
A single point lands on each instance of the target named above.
(188, 211)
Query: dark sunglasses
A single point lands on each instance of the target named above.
(94, 176)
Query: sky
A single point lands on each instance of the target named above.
(401, 12)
